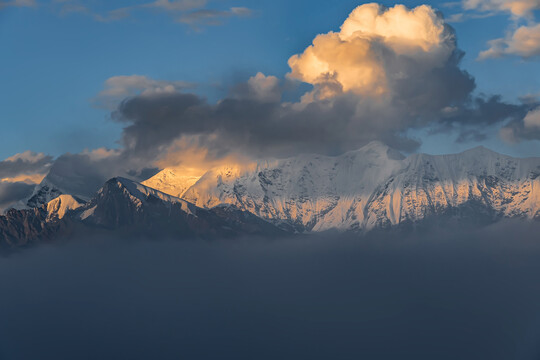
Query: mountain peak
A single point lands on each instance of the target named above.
(379, 149)
(172, 181)
(141, 193)
(479, 150)
(58, 207)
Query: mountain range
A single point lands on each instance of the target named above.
(374, 187)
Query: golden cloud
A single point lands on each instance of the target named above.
(353, 60)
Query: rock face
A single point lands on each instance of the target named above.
(376, 187)
(43, 193)
(125, 207)
(23, 227)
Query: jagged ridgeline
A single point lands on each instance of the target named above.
(374, 187)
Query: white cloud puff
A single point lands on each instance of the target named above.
(354, 59)
(524, 42)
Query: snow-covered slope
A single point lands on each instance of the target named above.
(171, 181)
(59, 207)
(375, 186)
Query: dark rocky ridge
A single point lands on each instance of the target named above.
(123, 206)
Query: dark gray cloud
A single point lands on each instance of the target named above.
(526, 129)
(441, 99)
(27, 163)
(480, 114)
(84, 174)
(11, 192)
(260, 128)
(468, 294)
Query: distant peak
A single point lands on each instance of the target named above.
(375, 144)
(480, 150)
(382, 149)
(58, 207)
(121, 180)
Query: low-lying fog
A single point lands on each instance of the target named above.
(469, 294)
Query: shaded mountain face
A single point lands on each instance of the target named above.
(128, 205)
(376, 187)
(24, 227)
(132, 209)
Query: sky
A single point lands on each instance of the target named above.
(142, 85)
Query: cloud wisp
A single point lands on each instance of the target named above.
(517, 8)
(211, 17)
(194, 13)
(521, 40)
(18, 3)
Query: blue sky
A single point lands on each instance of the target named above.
(53, 64)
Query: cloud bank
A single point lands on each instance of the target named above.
(387, 71)
(466, 295)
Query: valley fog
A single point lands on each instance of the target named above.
(464, 293)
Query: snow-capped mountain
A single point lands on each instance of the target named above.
(370, 188)
(59, 207)
(375, 186)
(172, 181)
(42, 194)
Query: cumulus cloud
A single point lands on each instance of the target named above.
(118, 88)
(385, 72)
(259, 87)
(356, 58)
(523, 42)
